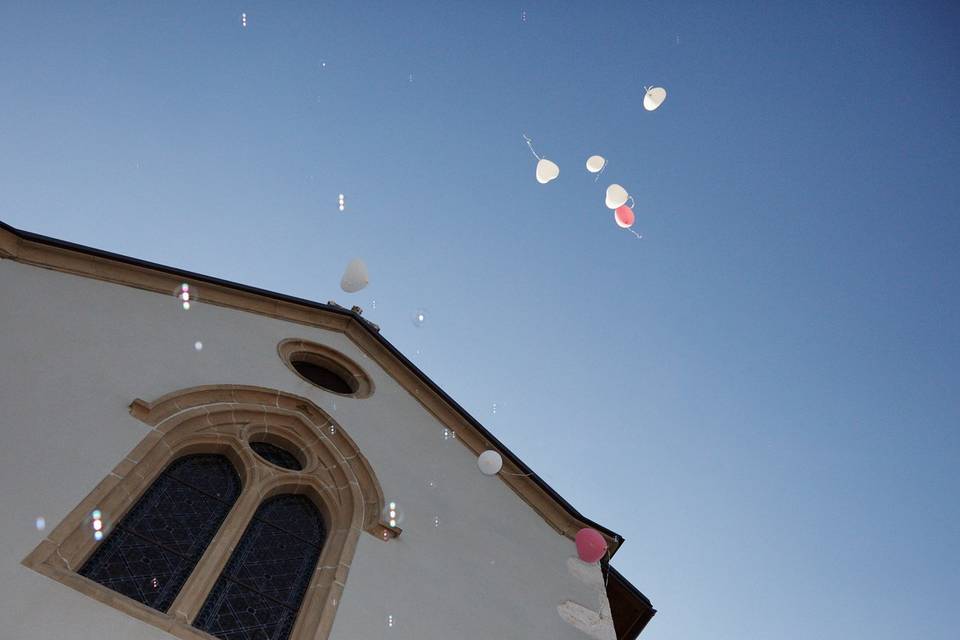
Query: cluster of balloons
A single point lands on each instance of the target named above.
(616, 197)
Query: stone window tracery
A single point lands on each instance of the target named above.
(320, 509)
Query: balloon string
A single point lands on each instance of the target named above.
(602, 169)
(530, 144)
(523, 475)
(639, 237)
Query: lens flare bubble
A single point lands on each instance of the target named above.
(392, 514)
(198, 346)
(98, 535)
(186, 295)
(419, 317)
(41, 523)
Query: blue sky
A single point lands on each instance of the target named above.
(761, 395)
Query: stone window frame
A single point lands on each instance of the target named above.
(223, 419)
(315, 353)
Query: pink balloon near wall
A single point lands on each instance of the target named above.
(624, 216)
(590, 545)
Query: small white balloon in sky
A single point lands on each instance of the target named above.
(523, 15)
(355, 276)
(547, 170)
(243, 20)
(198, 346)
(595, 164)
(617, 196)
(390, 621)
(654, 98)
(41, 523)
(341, 202)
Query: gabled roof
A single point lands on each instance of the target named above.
(630, 608)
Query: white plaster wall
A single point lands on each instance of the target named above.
(74, 352)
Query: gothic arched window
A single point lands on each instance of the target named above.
(260, 590)
(189, 551)
(150, 553)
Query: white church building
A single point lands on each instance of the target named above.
(283, 489)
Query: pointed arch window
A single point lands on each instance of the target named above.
(151, 552)
(261, 589)
(237, 503)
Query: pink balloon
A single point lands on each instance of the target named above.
(590, 545)
(624, 216)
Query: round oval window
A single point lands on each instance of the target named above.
(325, 368)
(323, 376)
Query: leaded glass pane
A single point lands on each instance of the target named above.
(276, 455)
(150, 553)
(262, 586)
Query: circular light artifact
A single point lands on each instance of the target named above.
(392, 514)
(419, 317)
(654, 97)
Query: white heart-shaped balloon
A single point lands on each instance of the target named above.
(355, 277)
(654, 98)
(547, 171)
(595, 163)
(617, 196)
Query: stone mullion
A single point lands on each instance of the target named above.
(207, 571)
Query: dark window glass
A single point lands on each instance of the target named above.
(276, 455)
(322, 377)
(151, 552)
(262, 586)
